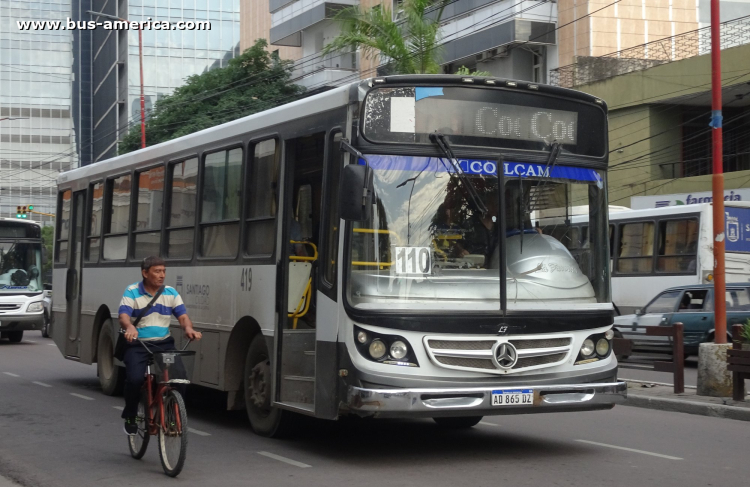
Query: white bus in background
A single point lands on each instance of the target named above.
(21, 288)
(339, 259)
(658, 248)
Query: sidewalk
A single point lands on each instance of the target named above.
(655, 396)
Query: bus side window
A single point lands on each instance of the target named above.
(220, 203)
(262, 198)
(635, 255)
(96, 195)
(678, 246)
(63, 226)
(147, 225)
(116, 231)
(181, 218)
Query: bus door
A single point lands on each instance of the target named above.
(73, 277)
(296, 344)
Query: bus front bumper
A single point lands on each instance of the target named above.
(477, 401)
(27, 321)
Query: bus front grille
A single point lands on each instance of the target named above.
(479, 354)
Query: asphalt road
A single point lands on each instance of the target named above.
(57, 429)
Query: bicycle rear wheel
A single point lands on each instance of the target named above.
(139, 442)
(173, 434)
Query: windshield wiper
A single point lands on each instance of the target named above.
(524, 209)
(442, 142)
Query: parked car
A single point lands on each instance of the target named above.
(693, 306)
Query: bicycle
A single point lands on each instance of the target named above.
(161, 410)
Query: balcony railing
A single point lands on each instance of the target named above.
(588, 69)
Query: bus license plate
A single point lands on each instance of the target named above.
(513, 397)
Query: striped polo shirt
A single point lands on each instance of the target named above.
(155, 324)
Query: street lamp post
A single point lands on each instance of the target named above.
(140, 60)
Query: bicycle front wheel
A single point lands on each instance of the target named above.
(173, 434)
(139, 442)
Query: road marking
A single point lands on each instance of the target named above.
(119, 408)
(630, 449)
(11, 374)
(29, 341)
(41, 384)
(52, 344)
(198, 432)
(485, 423)
(284, 459)
(82, 396)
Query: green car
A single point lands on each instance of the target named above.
(693, 306)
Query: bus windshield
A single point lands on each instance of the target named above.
(429, 245)
(20, 267)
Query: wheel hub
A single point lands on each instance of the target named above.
(258, 384)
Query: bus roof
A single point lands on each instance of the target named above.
(319, 103)
(18, 220)
(671, 210)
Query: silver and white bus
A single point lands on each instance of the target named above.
(658, 248)
(21, 289)
(367, 250)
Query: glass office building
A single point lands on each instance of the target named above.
(36, 128)
(169, 57)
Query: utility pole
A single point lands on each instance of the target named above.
(140, 60)
(717, 180)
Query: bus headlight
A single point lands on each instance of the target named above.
(609, 334)
(602, 347)
(377, 349)
(587, 349)
(362, 337)
(35, 307)
(399, 350)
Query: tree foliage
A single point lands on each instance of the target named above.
(252, 82)
(410, 44)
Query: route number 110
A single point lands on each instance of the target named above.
(413, 260)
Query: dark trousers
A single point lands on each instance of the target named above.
(136, 361)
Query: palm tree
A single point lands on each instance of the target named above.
(411, 45)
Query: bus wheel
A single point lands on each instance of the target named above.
(45, 327)
(462, 422)
(264, 419)
(111, 376)
(15, 336)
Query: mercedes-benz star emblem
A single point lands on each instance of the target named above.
(505, 356)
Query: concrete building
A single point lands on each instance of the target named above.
(507, 38)
(660, 108)
(36, 125)
(107, 66)
(477, 34)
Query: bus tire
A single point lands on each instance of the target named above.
(462, 422)
(265, 420)
(15, 336)
(111, 376)
(45, 327)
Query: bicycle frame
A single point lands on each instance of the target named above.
(155, 399)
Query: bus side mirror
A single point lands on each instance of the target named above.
(356, 190)
(44, 255)
(638, 312)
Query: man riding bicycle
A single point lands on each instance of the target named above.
(153, 329)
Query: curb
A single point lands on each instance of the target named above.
(689, 407)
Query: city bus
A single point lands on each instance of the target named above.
(364, 251)
(21, 288)
(658, 248)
